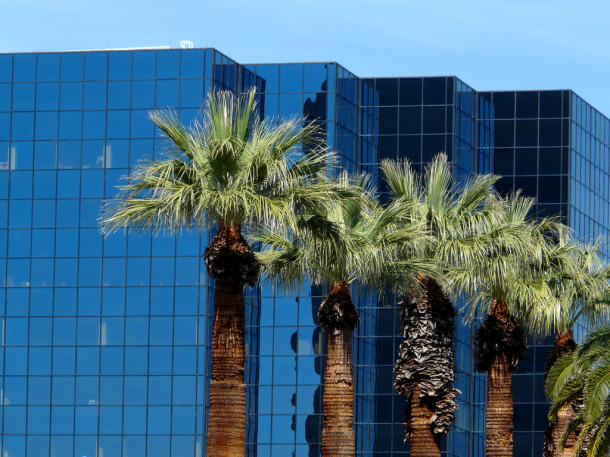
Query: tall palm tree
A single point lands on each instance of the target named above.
(233, 171)
(577, 278)
(504, 284)
(462, 220)
(583, 377)
(358, 239)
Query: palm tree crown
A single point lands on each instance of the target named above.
(584, 377)
(233, 168)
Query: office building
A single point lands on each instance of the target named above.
(105, 341)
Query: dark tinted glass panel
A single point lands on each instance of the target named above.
(549, 189)
(527, 105)
(388, 147)
(550, 103)
(411, 91)
(550, 132)
(525, 161)
(431, 146)
(503, 161)
(504, 105)
(549, 161)
(389, 121)
(410, 120)
(503, 135)
(410, 147)
(48, 67)
(566, 103)
(526, 133)
(528, 185)
(434, 120)
(388, 89)
(434, 91)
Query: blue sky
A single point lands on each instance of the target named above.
(490, 44)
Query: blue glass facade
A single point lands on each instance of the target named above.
(105, 341)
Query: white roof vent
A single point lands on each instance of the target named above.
(186, 44)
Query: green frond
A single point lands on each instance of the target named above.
(597, 388)
(233, 168)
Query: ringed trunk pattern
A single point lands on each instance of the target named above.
(564, 344)
(425, 368)
(499, 346)
(424, 443)
(231, 262)
(499, 436)
(338, 316)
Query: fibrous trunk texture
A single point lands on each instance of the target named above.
(499, 346)
(425, 368)
(564, 344)
(338, 316)
(231, 262)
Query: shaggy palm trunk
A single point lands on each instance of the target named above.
(425, 368)
(231, 262)
(338, 317)
(499, 346)
(564, 344)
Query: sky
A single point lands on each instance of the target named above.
(489, 44)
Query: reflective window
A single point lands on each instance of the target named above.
(119, 65)
(24, 67)
(96, 65)
(144, 65)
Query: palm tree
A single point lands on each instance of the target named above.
(504, 284)
(462, 221)
(352, 243)
(233, 171)
(583, 377)
(577, 278)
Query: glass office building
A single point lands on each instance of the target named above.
(105, 341)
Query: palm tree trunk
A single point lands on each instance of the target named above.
(499, 346)
(425, 367)
(227, 414)
(424, 442)
(564, 344)
(499, 436)
(338, 316)
(231, 262)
